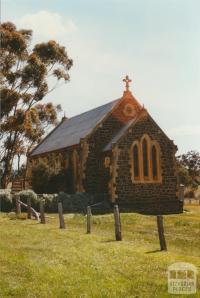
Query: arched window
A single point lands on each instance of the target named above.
(145, 158)
(145, 164)
(136, 161)
(154, 162)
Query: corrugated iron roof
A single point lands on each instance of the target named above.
(70, 131)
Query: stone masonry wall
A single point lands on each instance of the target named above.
(96, 176)
(148, 197)
(95, 181)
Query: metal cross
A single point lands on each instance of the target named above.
(127, 81)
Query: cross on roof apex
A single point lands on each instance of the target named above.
(127, 81)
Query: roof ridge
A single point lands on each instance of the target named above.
(92, 109)
(62, 125)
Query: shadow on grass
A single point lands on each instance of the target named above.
(108, 240)
(153, 251)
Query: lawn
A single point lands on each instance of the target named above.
(43, 261)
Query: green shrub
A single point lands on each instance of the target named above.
(25, 194)
(40, 178)
(44, 180)
(5, 194)
(184, 177)
(6, 203)
(77, 202)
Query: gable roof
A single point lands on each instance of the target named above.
(131, 122)
(70, 131)
(118, 135)
(122, 131)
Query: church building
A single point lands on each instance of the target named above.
(115, 151)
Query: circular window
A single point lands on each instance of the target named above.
(129, 110)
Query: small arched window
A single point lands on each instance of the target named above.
(145, 158)
(136, 161)
(154, 162)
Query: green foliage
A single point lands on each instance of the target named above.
(25, 194)
(184, 177)
(44, 180)
(40, 178)
(72, 203)
(77, 202)
(24, 84)
(189, 168)
(6, 202)
(58, 182)
(190, 161)
(5, 195)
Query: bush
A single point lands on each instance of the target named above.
(72, 203)
(5, 194)
(77, 202)
(184, 177)
(40, 178)
(6, 200)
(44, 180)
(51, 202)
(60, 182)
(25, 194)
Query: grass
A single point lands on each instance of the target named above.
(43, 261)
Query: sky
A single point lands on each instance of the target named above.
(155, 42)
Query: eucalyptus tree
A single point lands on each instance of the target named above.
(28, 75)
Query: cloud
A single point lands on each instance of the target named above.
(47, 24)
(85, 48)
(185, 130)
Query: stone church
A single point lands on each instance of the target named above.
(117, 151)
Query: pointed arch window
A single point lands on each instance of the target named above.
(145, 161)
(154, 162)
(145, 158)
(136, 161)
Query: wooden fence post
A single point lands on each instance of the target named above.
(29, 208)
(89, 219)
(118, 234)
(61, 217)
(42, 216)
(163, 245)
(181, 192)
(18, 206)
